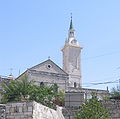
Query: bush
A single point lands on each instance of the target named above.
(23, 90)
(92, 109)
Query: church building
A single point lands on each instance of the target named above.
(49, 73)
(69, 77)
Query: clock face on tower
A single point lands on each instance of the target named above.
(74, 41)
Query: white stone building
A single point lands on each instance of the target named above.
(48, 72)
(72, 58)
(67, 78)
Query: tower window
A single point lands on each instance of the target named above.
(75, 84)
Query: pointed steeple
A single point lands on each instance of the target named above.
(71, 24)
(71, 29)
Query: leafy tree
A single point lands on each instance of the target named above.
(60, 98)
(23, 90)
(43, 94)
(15, 90)
(115, 91)
(92, 109)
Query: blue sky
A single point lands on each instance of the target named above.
(32, 30)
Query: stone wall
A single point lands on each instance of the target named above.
(2, 111)
(43, 112)
(73, 100)
(19, 110)
(114, 108)
(88, 92)
(34, 110)
(29, 110)
(75, 97)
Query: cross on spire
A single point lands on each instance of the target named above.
(48, 57)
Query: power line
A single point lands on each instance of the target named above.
(102, 83)
(102, 55)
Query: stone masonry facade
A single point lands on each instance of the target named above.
(47, 73)
(29, 110)
(34, 110)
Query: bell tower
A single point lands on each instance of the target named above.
(71, 58)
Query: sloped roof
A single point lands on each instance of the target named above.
(48, 66)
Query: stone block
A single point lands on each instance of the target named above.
(30, 109)
(24, 108)
(20, 109)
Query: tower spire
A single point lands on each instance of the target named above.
(71, 24)
(71, 30)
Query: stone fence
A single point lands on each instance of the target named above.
(29, 110)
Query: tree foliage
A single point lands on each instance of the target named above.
(15, 90)
(60, 98)
(115, 91)
(24, 90)
(92, 109)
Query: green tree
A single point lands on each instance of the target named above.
(92, 109)
(115, 91)
(60, 98)
(15, 90)
(24, 90)
(43, 94)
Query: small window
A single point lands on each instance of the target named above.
(49, 66)
(41, 84)
(75, 84)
